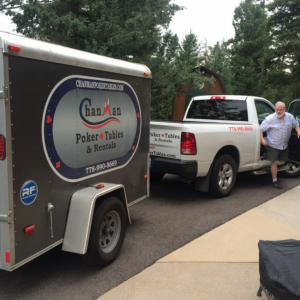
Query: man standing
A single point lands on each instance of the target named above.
(278, 127)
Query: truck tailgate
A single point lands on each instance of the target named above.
(165, 137)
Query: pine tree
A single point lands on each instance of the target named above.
(173, 67)
(119, 28)
(219, 61)
(282, 60)
(5, 6)
(163, 66)
(248, 47)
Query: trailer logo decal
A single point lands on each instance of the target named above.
(90, 126)
(29, 192)
(97, 112)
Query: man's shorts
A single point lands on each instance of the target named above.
(276, 154)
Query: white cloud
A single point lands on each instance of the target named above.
(6, 24)
(210, 20)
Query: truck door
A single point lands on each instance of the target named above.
(263, 109)
(294, 143)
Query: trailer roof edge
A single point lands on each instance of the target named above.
(35, 49)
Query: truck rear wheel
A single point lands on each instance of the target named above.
(223, 176)
(107, 232)
(292, 171)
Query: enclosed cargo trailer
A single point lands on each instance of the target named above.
(74, 142)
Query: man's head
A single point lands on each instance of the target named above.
(280, 109)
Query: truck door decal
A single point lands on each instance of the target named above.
(90, 126)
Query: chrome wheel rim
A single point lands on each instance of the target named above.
(225, 176)
(110, 231)
(291, 168)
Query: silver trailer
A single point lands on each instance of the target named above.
(74, 142)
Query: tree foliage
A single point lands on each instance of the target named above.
(248, 46)
(12, 5)
(219, 61)
(119, 28)
(173, 67)
(5, 6)
(282, 60)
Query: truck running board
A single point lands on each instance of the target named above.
(268, 170)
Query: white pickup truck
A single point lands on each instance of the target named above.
(218, 138)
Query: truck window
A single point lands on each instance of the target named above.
(232, 110)
(262, 110)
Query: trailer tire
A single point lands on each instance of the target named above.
(223, 176)
(107, 233)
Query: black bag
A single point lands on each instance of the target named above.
(279, 268)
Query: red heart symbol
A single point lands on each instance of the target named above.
(49, 119)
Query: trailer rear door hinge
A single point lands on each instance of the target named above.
(4, 94)
(6, 218)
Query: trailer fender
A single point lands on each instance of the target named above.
(81, 212)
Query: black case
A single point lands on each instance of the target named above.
(279, 268)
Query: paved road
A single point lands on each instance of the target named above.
(174, 215)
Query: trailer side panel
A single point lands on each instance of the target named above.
(31, 84)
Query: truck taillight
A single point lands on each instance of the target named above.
(188, 144)
(2, 147)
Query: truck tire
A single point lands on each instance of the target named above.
(223, 176)
(156, 176)
(107, 233)
(292, 171)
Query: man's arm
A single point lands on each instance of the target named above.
(264, 142)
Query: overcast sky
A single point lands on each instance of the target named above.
(210, 20)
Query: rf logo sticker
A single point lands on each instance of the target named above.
(28, 192)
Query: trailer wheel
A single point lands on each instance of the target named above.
(223, 176)
(107, 232)
(156, 176)
(292, 171)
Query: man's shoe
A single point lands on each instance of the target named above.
(277, 185)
